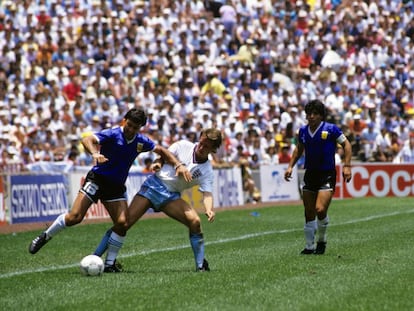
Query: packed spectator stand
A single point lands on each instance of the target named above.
(69, 68)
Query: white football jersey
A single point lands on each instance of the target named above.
(202, 173)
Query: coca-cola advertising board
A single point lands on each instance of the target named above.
(376, 180)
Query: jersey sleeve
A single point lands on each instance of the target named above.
(104, 135)
(338, 134)
(180, 146)
(145, 143)
(301, 134)
(206, 185)
(174, 148)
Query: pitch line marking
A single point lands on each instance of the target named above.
(221, 241)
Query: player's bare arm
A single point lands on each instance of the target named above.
(168, 157)
(208, 205)
(346, 168)
(91, 145)
(297, 153)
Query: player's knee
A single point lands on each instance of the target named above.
(321, 212)
(122, 224)
(120, 227)
(73, 219)
(195, 224)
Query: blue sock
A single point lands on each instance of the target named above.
(103, 245)
(197, 244)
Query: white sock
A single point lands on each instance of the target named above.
(57, 226)
(115, 243)
(322, 226)
(309, 230)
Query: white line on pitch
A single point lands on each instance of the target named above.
(221, 241)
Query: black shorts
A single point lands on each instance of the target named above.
(319, 180)
(98, 187)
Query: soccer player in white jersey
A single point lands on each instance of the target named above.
(162, 192)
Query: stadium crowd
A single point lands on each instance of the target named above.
(71, 67)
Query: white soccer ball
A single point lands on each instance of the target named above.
(92, 265)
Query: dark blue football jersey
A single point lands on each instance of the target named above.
(320, 146)
(120, 153)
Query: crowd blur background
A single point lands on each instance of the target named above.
(248, 67)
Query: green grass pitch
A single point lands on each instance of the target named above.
(255, 264)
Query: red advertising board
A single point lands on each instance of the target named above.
(376, 180)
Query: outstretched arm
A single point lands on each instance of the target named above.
(168, 157)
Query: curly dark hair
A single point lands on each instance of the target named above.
(317, 107)
(136, 115)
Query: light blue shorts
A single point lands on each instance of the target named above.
(155, 191)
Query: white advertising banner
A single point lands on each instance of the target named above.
(228, 188)
(274, 187)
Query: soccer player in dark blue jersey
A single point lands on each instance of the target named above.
(114, 151)
(319, 141)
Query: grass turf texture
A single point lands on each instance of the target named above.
(255, 264)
